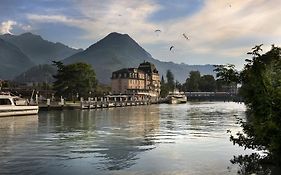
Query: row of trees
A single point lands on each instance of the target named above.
(195, 82)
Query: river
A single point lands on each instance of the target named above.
(165, 139)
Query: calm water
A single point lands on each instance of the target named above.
(158, 139)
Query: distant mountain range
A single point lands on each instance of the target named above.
(40, 73)
(39, 51)
(115, 51)
(12, 60)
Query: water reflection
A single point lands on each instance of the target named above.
(110, 134)
(15, 133)
(156, 139)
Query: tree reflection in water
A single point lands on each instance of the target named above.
(251, 164)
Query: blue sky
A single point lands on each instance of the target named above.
(219, 31)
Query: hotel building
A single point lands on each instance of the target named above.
(144, 80)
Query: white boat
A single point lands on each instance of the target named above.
(176, 97)
(14, 105)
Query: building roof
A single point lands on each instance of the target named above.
(148, 67)
(128, 70)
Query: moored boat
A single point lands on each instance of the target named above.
(14, 106)
(176, 97)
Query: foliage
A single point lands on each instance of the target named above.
(170, 80)
(261, 90)
(164, 91)
(252, 164)
(196, 82)
(74, 79)
(102, 90)
(192, 83)
(207, 83)
(180, 87)
(227, 73)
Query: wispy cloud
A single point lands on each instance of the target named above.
(50, 18)
(219, 30)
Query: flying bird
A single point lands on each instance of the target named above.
(157, 30)
(171, 48)
(184, 35)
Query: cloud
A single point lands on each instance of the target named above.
(219, 30)
(7, 26)
(49, 18)
(25, 27)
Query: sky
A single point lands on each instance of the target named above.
(218, 31)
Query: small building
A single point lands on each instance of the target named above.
(141, 81)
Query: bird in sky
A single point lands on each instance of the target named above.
(171, 48)
(186, 37)
(157, 30)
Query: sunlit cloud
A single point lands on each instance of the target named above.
(7, 27)
(50, 18)
(218, 30)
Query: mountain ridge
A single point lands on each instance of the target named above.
(39, 50)
(12, 60)
(117, 51)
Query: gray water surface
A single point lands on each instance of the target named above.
(157, 139)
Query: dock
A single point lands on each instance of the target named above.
(94, 103)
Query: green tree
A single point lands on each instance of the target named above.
(192, 83)
(170, 80)
(261, 90)
(207, 83)
(164, 91)
(179, 86)
(74, 79)
(227, 73)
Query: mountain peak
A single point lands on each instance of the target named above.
(116, 34)
(31, 35)
(117, 41)
(115, 37)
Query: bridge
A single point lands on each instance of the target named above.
(213, 96)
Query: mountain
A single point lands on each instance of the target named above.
(38, 74)
(12, 60)
(117, 51)
(40, 51)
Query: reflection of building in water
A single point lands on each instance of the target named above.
(115, 135)
(133, 132)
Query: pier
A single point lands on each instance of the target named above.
(109, 101)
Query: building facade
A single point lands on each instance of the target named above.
(144, 80)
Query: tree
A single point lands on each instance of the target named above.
(207, 83)
(192, 82)
(74, 79)
(261, 90)
(179, 86)
(227, 73)
(170, 80)
(164, 91)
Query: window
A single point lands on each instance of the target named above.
(5, 102)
